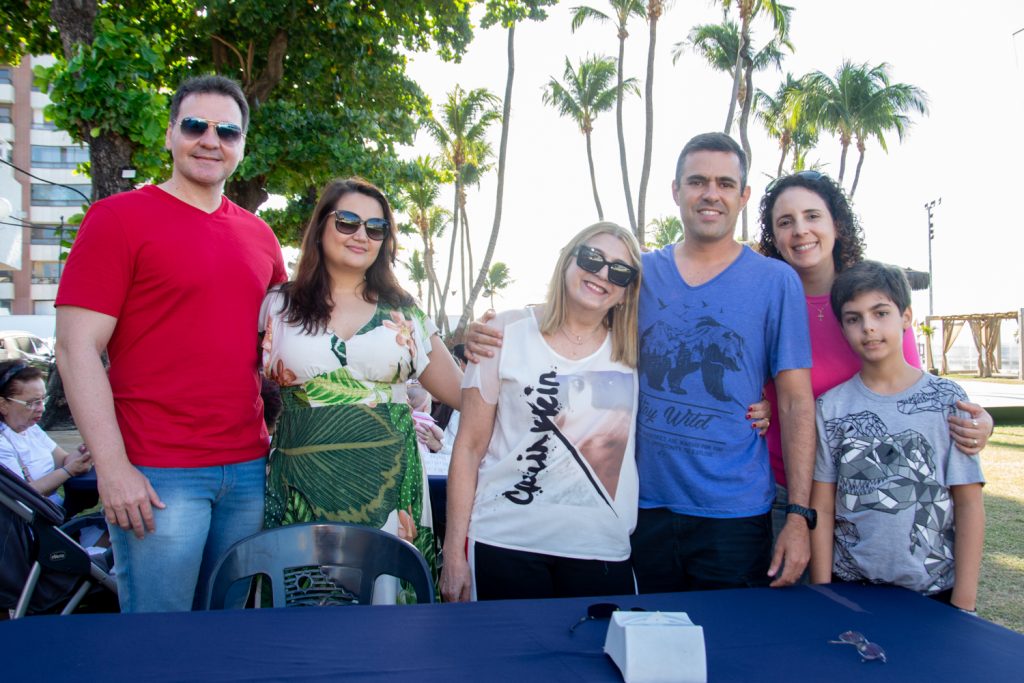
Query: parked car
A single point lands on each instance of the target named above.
(18, 344)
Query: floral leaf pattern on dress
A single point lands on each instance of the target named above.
(340, 387)
(338, 347)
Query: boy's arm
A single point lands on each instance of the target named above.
(969, 516)
(823, 500)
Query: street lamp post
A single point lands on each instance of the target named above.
(931, 235)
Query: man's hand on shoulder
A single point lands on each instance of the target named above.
(481, 338)
(128, 498)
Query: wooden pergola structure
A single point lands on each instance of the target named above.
(985, 327)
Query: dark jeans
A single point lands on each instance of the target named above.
(503, 574)
(673, 552)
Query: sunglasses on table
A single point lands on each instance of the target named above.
(193, 127)
(592, 261)
(599, 611)
(867, 650)
(806, 175)
(347, 223)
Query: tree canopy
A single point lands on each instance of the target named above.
(326, 82)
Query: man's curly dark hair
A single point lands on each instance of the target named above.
(849, 246)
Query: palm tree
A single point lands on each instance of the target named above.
(667, 230)
(655, 8)
(587, 91)
(859, 103)
(472, 175)
(623, 11)
(464, 120)
(784, 119)
(507, 13)
(718, 44)
(748, 9)
(497, 280)
(430, 220)
(417, 272)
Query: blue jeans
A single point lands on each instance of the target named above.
(208, 510)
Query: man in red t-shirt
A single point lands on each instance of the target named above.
(169, 279)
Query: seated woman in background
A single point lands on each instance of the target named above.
(25, 449)
(342, 339)
(543, 480)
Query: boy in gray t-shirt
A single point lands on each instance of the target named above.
(888, 477)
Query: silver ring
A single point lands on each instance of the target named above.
(975, 443)
(974, 423)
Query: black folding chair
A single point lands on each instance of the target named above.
(319, 564)
(42, 569)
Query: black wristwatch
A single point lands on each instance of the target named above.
(807, 513)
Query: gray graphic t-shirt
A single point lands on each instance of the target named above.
(893, 461)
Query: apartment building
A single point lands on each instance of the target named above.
(29, 141)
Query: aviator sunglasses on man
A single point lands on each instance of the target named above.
(592, 261)
(193, 127)
(347, 223)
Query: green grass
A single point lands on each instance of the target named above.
(973, 377)
(1000, 595)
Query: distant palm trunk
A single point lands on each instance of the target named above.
(622, 139)
(748, 98)
(782, 161)
(844, 141)
(860, 163)
(462, 252)
(593, 179)
(492, 243)
(442, 316)
(654, 9)
(469, 246)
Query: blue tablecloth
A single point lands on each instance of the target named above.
(751, 635)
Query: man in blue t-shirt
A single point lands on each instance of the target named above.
(716, 321)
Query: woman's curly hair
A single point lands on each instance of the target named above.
(849, 246)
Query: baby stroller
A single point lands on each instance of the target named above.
(43, 570)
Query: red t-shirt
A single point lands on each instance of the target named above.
(185, 287)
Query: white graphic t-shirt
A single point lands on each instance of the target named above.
(559, 476)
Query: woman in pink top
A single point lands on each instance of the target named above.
(806, 221)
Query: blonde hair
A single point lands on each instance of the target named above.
(621, 318)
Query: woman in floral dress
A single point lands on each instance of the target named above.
(341, 339)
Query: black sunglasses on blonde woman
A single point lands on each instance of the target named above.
(592, 261)
(347, 223)
(193, 127)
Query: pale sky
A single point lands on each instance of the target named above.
(968, 151)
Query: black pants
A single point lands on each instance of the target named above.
(503, 574)
(673, 552)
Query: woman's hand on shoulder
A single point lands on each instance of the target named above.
(971, 434)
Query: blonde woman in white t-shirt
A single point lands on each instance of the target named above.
(542, 489)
